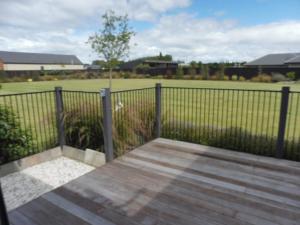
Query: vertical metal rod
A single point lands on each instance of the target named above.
(60, 116)
(158, 110)
(285, 91)
(4, 217)
(107, 124)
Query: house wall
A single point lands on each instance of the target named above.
(38, 67)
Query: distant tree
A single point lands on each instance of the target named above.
(221, 71)
(205, 71)
(112, 42)
(160, 57)
(179, 72)
(193, 64)
(199, 64)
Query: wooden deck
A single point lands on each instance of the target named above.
(168, 182)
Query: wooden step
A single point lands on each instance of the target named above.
(287, 166)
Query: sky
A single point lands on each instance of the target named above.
(203, 30)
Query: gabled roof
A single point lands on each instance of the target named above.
(294, 60)
(276, 60)
(38, 58)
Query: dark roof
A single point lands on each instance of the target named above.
(38, 58)
(133, 63)
(294, 60)
(160, 61)
(276, 60)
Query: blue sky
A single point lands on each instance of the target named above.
(210, 30)
(249, 12)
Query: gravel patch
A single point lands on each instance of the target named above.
(30, 183)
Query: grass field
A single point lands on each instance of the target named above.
(122, 84)
(256, 112)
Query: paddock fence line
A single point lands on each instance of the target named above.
(263, 122)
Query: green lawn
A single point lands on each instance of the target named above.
(120, 84)
(256, 112)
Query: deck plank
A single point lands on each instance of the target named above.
(168, 182)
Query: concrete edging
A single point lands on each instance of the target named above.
(89, 157)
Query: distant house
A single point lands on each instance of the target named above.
(155, 64)
(287, 60)
(21, 61)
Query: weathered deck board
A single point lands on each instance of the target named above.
(169, 182)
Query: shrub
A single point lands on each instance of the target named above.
(17, 79)
(278, 77)
(214, 77)
(199, 77)
(291, 75)
(262, 78)
(226, 78)
(241, 78)
(126, 75)
(234, 77)
(15, 142)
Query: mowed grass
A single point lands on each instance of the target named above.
(256, 112)
(124, 84)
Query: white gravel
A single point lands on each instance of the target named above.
(24, 186)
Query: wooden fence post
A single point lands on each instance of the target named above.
(107, 124)
(60, 116)
(285, 91)
(158, 110)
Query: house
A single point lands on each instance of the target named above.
(21, 61)
(286, 60)
(149, 63)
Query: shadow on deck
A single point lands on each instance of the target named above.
(170, 182)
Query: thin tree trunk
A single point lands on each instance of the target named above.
(110, 78)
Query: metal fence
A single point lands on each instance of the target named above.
(261, 122)
(28, 124)
(253, 121)
(133, 115)
(83, 119)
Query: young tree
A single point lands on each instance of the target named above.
(112, 42)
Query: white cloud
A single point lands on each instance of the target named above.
(189, 38)
(63, 26)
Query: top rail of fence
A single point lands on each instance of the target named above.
(26, 93)
(223, 89)
(147, 88)
(137, 89)
(76, 91)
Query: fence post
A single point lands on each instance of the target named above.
(60, 116)
(107, 124)
(4, 217)
(285, 91)
(158, 110)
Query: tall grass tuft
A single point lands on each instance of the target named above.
(133, 125)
